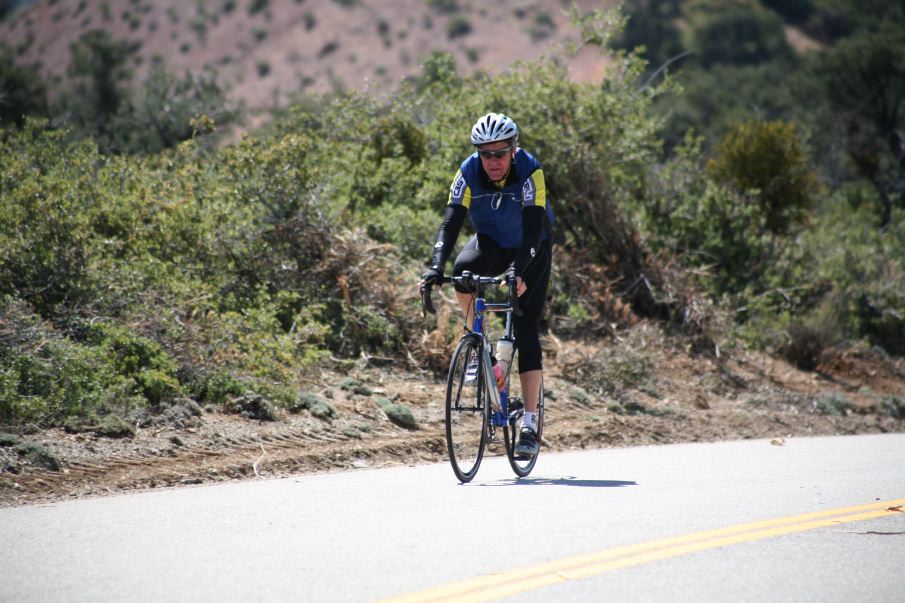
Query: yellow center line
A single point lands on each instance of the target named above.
(496, 586)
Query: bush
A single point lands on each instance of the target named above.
(252, 406)
(894, 406)
(256, 6)
(318, 407)
(833, 404)
(805, 346)
(8, 439)
(457, 27)
(769, 159)
(38, 454)
(719, 230)
(864, 269)
(398, 414)
(114, 426)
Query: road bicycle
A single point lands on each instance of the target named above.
(476, 408)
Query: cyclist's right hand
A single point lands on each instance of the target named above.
(434, 276)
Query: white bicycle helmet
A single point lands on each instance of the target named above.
(493, 127)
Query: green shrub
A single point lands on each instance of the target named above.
(894, 406)
(579, 395)
(864, 266)
(458, 26)
(114, 426)
(542, 27)
(767, 157)
(39, 455)
(707, 224)
(351, 385)
(137, 358)
(256, 6)
(79, 424)
(398, 414)
(318, 407)
(252, 405)
(8, 439)
(833, 404)
(808, 338)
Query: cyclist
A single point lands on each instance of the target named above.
(502, 187)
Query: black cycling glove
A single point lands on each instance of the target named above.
(434, 276)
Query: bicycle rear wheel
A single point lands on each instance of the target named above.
(521, 465)
(467, 410)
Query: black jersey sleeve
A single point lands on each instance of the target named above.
(532, 227)
(453, 218)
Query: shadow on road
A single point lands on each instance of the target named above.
(559, 481)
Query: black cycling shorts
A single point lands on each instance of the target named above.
(481, 255)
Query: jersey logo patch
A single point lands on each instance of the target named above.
(458, 188)
(528, 192)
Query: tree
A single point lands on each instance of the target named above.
(652, 24)
(862, 81)
(769, 158)
(740, 34)
(101, 77)
(159, 114)
(22, 92)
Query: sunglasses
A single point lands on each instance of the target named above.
(495, 154)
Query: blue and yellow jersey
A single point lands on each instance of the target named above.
(496, 208)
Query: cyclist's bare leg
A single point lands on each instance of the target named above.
(531, 381)
(466, 300)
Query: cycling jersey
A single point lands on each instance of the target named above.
(496, 208)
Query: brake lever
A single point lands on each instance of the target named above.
(427, 305)
(513, 297)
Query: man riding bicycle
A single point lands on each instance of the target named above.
(502, 187)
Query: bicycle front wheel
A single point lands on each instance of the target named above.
(467, 410)
(521, 465)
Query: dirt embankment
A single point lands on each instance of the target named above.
(644, 389)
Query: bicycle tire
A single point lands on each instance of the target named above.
(467, 411)
(521, 466)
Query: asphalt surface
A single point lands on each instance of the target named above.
(740, 521)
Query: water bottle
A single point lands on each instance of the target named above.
(504, 351)
(498, 374)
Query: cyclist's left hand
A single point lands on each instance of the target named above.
(520, 286)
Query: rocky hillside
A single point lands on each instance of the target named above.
(267, 50)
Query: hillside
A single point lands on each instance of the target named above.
(267, 50)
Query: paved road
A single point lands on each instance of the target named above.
(668, 523)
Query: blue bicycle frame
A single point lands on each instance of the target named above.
(498, 398)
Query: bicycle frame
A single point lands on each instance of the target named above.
(499, 399)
